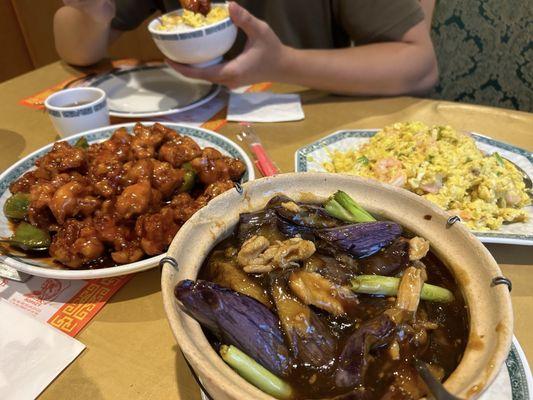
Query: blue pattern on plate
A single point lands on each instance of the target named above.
(517, 375)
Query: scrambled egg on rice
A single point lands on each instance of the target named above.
(194, 20)
(443, 166)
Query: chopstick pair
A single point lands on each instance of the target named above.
(262, 160)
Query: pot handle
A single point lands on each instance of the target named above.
(238, 187)
(169, 260)
(502, 280)
(452, 220)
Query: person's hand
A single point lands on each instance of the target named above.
(261, 60)
(101, 11)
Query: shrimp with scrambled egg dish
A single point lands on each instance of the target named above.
(443, 166)
(120, 200)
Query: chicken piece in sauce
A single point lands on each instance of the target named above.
(63, 157)
(166, 178)
(213, 190)
(156, 230)
(145, 142)
(67, 194)
(212, 166)
(117, 147)
(184, 206)
(105, 175)
(179, 150)
(73, 198)
(120, 236)
(24, 183)
(76, 243)
(137, 199)
(197, 6)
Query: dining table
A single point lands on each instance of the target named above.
(131, 352)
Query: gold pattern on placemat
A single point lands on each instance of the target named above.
(75, 314)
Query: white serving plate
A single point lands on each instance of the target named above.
(310, 158)
(203, 137)
(152, 91)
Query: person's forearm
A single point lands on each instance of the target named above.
(79, 39)
(378, 69)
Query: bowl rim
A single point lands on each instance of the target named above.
(192, 340)
(101, 97)
(154, 31)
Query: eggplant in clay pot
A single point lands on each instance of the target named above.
(323, 286)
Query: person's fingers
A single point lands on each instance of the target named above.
(251, 25)
(219, 73)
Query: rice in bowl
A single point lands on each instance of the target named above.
(189, 20)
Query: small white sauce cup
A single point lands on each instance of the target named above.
(77, 110)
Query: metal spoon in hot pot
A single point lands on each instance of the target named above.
(434, 385)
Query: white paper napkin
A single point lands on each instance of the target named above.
(264, 107)
(32, 353)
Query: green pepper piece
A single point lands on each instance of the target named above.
(499, 158)
(82, 143)
(188, 179)
(30, 236)
(362, 160)
(187, 166)
(16, 206)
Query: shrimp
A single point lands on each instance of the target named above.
(512, 198)
(433, 187)
(389, 170)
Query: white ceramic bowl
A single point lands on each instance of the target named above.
(199, 47)
(77, 110)
(489, 305)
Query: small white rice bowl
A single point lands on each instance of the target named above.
(200, 47)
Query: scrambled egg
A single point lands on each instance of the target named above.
(443, 166)
(190, 19)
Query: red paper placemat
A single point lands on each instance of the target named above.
(66, 305)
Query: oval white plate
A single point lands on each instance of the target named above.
(311, 157)
(203, 137)
(152, 91)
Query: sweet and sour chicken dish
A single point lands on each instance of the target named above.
(117, 201)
